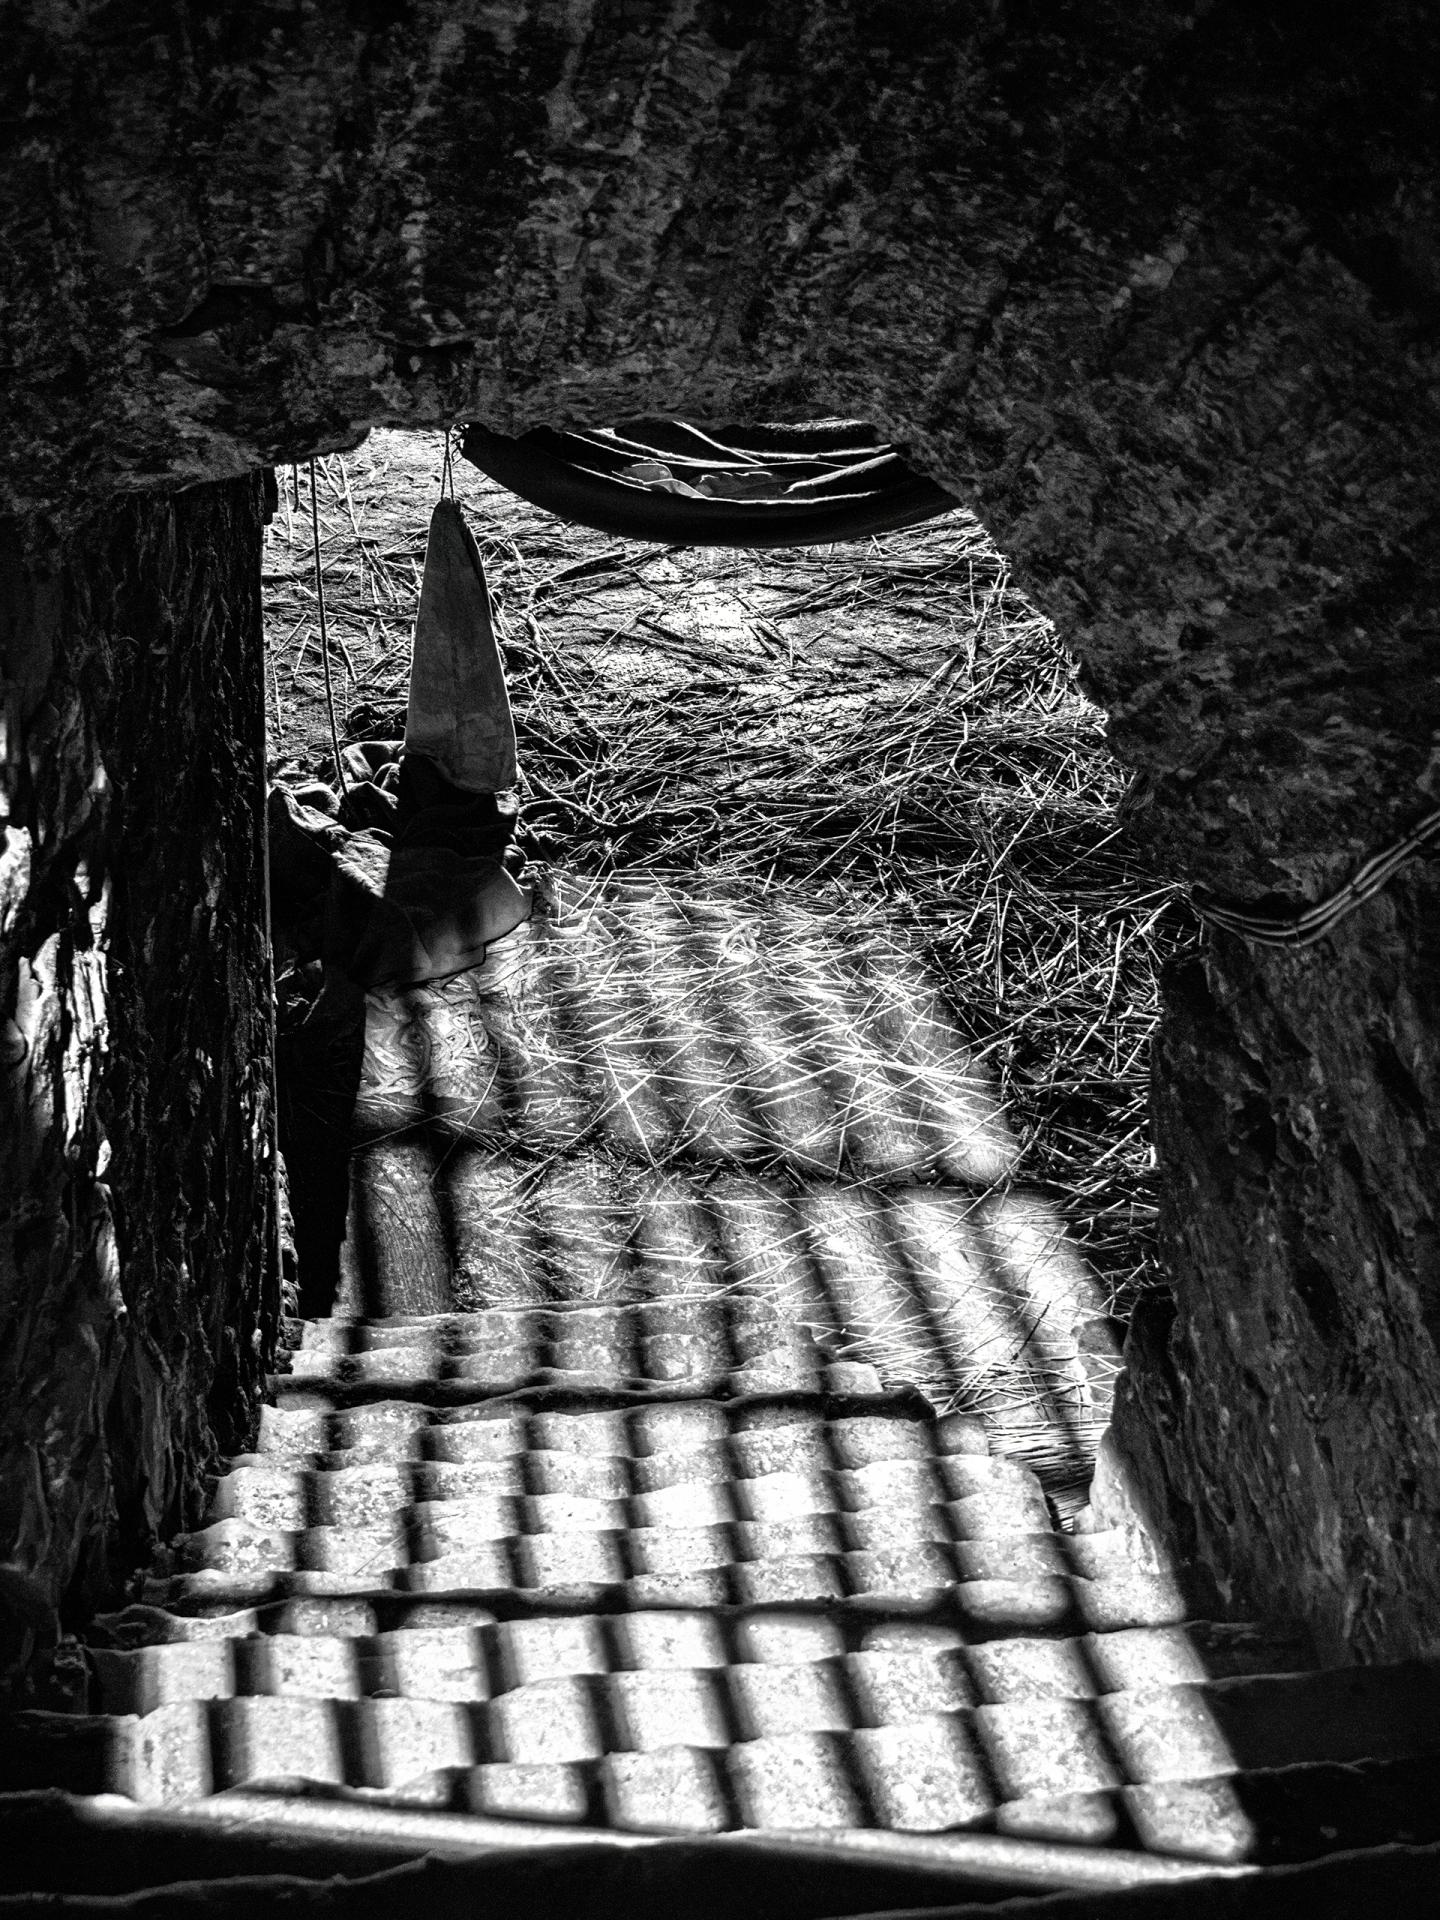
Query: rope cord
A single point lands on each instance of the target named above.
(583, 476)
(1304, 929)
(325, 633)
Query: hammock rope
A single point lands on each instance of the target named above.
(341, 781)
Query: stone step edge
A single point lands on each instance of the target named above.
(563, 1390)
(1318, 1725)
(106, 1845)
(1098, 1346)
(754, 1309)
(138, 1627)
(1320, 1714)
(986, 1609)
(554, 1388)
(119, 1669)
(357, 1828)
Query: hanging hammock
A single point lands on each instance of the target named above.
(731, 486)
(401, 872)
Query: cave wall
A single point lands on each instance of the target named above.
(135, 1217)
(1153, 285)
(1282, 1410)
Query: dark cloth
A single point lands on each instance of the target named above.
(403, 879)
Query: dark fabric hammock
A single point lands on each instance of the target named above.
(730, 486)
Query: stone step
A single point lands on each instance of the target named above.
(463, 1380)
(806, 1499)
(344, 1859)
(575, 1573)
(784, 1673)
(770, 1717)
(392, 1429)
(1040, 1773)
(731, 1479)
(740, 1328)
(728, 1340)
(711, 1345)
(1134, 1659)
(891, 1673)
(997, 1581)
(705, 1599)
(250, 1853)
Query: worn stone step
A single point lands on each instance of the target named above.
(1133, 1658)
(471, 1379)
(389, 1429)
(724, 1331)
(477, 1862)
(875, 1676)
(726, 1343)
(1041, 1740)
(665, 1754)
(844, 1469)
(349, 1861)
(715, 1601)
(771, 1673)
(539, 1492)
(538, 1753)
(661, 1567)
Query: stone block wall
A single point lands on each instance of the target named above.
(136, 1219)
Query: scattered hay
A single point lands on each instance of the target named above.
(654, 1093)
(890, 732)
(843, 947)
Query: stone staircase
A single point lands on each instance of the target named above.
(688, 1603)
(527, 1579)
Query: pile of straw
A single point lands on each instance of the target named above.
(889, 734)
(677, 1092)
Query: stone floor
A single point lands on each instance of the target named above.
(651, 1094)
(484, 1567)
(482, 1564)
(638, 1524)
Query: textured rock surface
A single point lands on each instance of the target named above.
(135, 1099)
(1154, 286)
(1294, 1397)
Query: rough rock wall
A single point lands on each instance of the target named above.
(135, 1213)
(1293, 1394)
(1156, 285)
(1153, 284)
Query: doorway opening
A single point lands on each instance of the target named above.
(840, 985)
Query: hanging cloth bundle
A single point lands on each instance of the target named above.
(410, 859)
(446, 895)
(459, 713)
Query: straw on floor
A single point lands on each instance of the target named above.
(879, 756)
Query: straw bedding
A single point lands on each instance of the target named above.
(834, 904)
